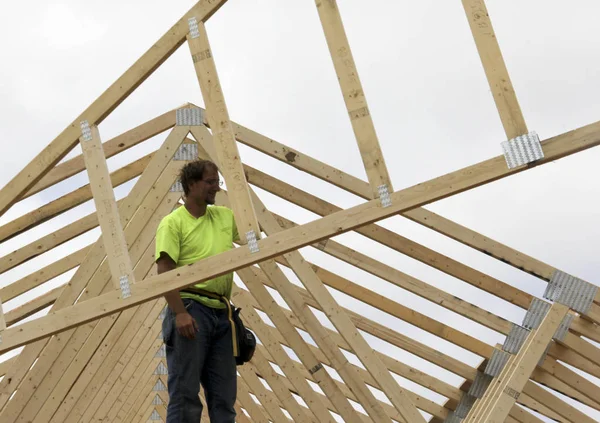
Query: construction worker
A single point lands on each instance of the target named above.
(196, 329)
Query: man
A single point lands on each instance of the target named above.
(196, 329)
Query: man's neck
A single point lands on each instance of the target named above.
(196, 210)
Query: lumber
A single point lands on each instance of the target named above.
(495, 68)
(354, 97)
(113, 236)
(230, 163)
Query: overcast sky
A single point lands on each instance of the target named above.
(429, 99)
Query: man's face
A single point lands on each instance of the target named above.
(205, 190)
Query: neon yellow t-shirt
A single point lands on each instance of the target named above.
(187, 239)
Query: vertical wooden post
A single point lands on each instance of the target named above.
(225, 143)
(354, 97)
(495, 68)
(115, 245)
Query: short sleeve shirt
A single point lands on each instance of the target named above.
(187, 239)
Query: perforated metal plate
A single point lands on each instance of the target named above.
(384, 195)
(497, 362)
(573, 292)
(189, 116)
(125, 288)
(480, 385)
(193, 26)
(186, 152)
(464, 406)
(522, 150)
(86, 132)
(536, 313)
(515, 339)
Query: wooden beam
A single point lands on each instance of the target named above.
(452, 303)
(225, 145)
(73, 383)
(354, 96)
(227, 155)
(113, 235)
(495, 68)
(105, 104)
(332, 225)
(256, 413)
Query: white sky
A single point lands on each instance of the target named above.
(426, 89)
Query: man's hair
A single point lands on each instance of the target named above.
(193, 171)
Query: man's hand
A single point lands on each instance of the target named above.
(186, 325)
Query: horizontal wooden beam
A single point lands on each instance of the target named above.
(290, 240)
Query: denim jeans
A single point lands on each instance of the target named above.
(207, 359)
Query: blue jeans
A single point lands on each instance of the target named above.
(207, 359)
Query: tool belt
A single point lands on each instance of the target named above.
(244, 341)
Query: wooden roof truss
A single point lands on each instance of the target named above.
(97, 354)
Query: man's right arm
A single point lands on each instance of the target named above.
(184, 322)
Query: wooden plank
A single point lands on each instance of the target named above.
(292, 239)
(262, 368)
(495, 68)
(452, 303)
(105, 104)
(354, 96)
(112, 147)
(140, 390)
(139, 194)
(225, 145)
(31, 307)
(43, 275)
(113, 235)
(75, 382)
